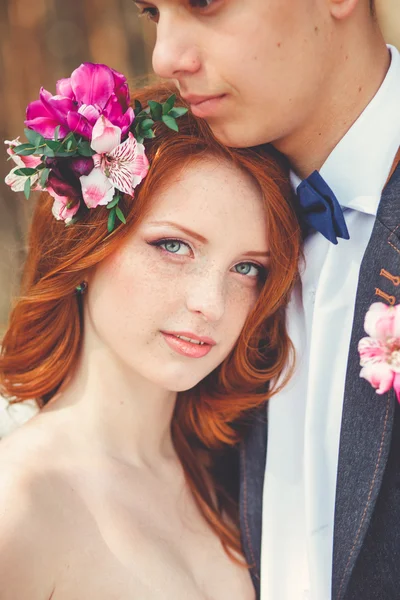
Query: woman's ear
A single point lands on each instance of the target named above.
(341, 9)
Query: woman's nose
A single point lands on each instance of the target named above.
(206, 296)
(175, 54)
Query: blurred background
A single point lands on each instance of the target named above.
(44, 40)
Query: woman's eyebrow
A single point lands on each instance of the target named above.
(185, 230)
(266, 254)
(204, 240)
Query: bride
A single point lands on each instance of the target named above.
(147, 348)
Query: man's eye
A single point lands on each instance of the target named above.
(151, 12)
(201, 3)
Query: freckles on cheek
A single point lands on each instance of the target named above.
(137, 271)
(241, 305)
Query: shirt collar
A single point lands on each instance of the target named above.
(358, 167)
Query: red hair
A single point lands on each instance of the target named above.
(42, 343)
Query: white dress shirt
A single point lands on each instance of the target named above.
(304, 419)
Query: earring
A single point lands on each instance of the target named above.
(81, 288)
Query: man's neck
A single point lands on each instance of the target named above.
(350, 93)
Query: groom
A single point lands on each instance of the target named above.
(320, 476)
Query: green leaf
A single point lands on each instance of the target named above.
(168, 104)
(120, 215)
(32, 136)
(155, 110)
(44, 176)
(53, 145)
(170, 122)
(84, 149)
(179, 111)
(138, 108)
(139, 138)
(27, 188)
(25, 172)
(149, 134)
(147, 124)
(48, 152)
(24, 149)
(111, 220)
(64, 153)
(57, 132)
(138, 131)
(114, 201)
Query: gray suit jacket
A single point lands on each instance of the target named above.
(364, 526)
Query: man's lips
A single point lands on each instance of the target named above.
(194, 99)
(205, 106)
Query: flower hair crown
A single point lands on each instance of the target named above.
(85, 144)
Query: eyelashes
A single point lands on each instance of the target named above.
(201, 3)
(171, 246)
(151, 12)
(177, 247)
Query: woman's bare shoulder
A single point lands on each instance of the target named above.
(28, 519)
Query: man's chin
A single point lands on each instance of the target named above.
(236, 137)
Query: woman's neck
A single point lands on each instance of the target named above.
(116, 410)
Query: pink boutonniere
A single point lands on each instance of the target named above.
(380, 352)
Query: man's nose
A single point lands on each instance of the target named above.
(175, 53)
(205, 295)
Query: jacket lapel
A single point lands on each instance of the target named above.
(253, 453)
(367, 418)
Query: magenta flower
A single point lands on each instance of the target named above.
(380, 353)
(64, 175)
(91, 91)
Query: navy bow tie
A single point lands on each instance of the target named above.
(320, 208)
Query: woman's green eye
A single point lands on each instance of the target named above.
(172, 246)
(248, 269)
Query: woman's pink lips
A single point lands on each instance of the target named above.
(187, 348)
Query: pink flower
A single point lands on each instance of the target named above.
(62, 207)
(119, 167)
(105, 136)
(91, 91)
(17, 182)
(21, 161)
(380, 353)
(97, 190)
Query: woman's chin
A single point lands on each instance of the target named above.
(181, 382)
(183, 386)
